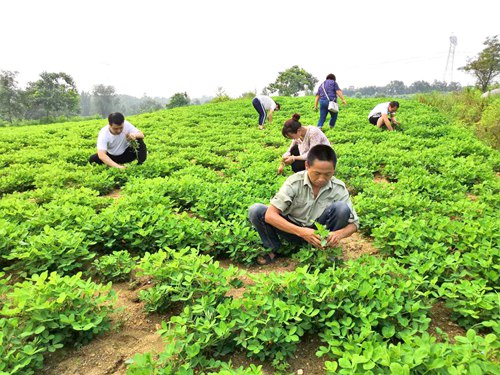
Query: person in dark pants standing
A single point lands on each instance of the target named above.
(262, 105)
(306, 197)
(328, 90)
(116, 141)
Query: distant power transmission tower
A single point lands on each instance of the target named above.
(451, 57)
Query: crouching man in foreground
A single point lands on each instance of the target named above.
(115, 143)
(313, 195)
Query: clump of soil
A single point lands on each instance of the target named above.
(115, 194)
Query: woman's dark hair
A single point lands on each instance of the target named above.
(394, 104)
(116, 118)
(291, 126)
(321, 153)
(278, 107)
(331, 76)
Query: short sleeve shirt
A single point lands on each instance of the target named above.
(314, 136)
(267, 102)
(331, 88)
(115, 144)
(295, 199)
(380, 109)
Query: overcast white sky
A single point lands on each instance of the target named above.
(160, 47)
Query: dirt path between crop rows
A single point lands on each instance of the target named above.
(135, 330)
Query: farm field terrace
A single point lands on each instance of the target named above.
(427, 197)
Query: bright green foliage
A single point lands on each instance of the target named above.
(53, 94)
(183, 275)
(46, 312)
(293, 80)
(472, 354)
(115, 267)
(319, 258)
(487, 65)
(51, 250)
(429, 196)
(472, 110)
(179, 99)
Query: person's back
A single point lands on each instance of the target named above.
(263, 104)
(384, 114)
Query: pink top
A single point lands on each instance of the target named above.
(314, 136)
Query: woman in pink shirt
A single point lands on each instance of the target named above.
(303, 139)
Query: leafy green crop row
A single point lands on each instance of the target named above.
(428, 196)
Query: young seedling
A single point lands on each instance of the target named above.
(323, 232)
(135, 146)
(328, 253)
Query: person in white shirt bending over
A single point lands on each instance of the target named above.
(262, 105)
(119, 142)
(379, 115)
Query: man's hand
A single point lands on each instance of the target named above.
(334, 239)
(308, 235)
(315, 109)
(343, 101)
(131, 137)
(289, 160)
(121, 166)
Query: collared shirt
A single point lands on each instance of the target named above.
(295, 199)
(379, 109)
(331, 88)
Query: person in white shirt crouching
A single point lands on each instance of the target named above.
(119, 142)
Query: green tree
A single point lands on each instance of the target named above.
(180, 99)
(220, 96)
(396, 88)
(85, 103)
(293, 80)
(248, 95)
(486, 66)
(148, 104)
(420, 86)
(104, 99)
(53, 94)
(10, 104)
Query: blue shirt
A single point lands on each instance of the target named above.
(331, 88)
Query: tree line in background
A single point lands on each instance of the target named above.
(396, 88)
(55, 95)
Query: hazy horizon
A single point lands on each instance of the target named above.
(158, 48)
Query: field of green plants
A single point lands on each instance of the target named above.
(435, 220)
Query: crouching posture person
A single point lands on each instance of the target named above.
(313, 195)
(114, 143)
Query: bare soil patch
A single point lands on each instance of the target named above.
(135, 332)
(356, 246)
(115, 194)
(378, 178)
(472, 197)
(441, 318)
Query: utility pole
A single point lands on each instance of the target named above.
(451, 57)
